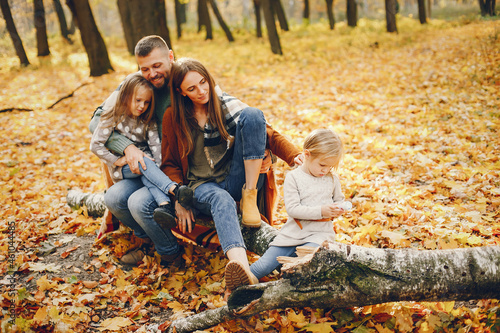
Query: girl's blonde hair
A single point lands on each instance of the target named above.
(183, 106)
(325, 143)
(127, 93)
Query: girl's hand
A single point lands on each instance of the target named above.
(121, 161)
(331, 211)
(185, 218)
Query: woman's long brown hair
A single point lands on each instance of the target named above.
(183, 106)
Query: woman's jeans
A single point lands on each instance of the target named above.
(218, 199)
(268, 262)
(153, 178)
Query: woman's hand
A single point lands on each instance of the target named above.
(299, 159)
(331, 211)
(185, 218)
(267, 162)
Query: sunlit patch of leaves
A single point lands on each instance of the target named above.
(418, 113)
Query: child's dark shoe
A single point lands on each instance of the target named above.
(165, 216)
(184, 195)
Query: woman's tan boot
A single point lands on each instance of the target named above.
(250, 215)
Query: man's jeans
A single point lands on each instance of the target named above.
(133, 204)
(218, 199)
(268, 262)
(153, 178)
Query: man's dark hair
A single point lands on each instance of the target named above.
(147, 44)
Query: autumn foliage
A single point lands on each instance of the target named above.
(419, 114)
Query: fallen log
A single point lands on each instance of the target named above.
(256, 239)
(339, 275)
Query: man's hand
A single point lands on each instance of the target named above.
(267, 161)
(134, 156)
(299, 159)
(185, 218)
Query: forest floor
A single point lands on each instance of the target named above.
(419, 114)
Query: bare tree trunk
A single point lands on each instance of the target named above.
(91, 38)
(14, 35)
(306, 13)
(142, 18)
(487, 7)
(128, 30)
(390, 15)
(421, 12)
(180, 16)
(62, 20)
(331, 16)
(352, 13)
(222, 24)
(258, 18)
(41, 29)
(204, 19)
(160, 15)
(272, 32)
(428, 9)
(280, 13)
(340, 276)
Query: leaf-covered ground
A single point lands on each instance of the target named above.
(418, 111)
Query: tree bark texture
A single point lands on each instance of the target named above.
(257, 240)
(352, 13)
(14, 35)
(340, 275)
(61, 17)
(180, 16)
(390, 15)
(42, 43)
(204, 19)
(280, 13)
(93, 201)
(141, 18)
(306, 13)
(221, 21)
(258, 18)
(97, 52)
(272, 32)
(487, 7)
(421, 12)
(331, 16)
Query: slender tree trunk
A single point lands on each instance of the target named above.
(352, 13)
(160, 15)
(14, 35)
(180, 16)
(62, 20)
(41, 29)
(204, 19)
(331, 16)
(128, 30)
(222, 24)
(306, 13)
(342, 276)
(390, 15)
(142, 18)
(258, 18)
(91, 38)
(428, 9)
(272, 32)
(280, 13)
(421, 12)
